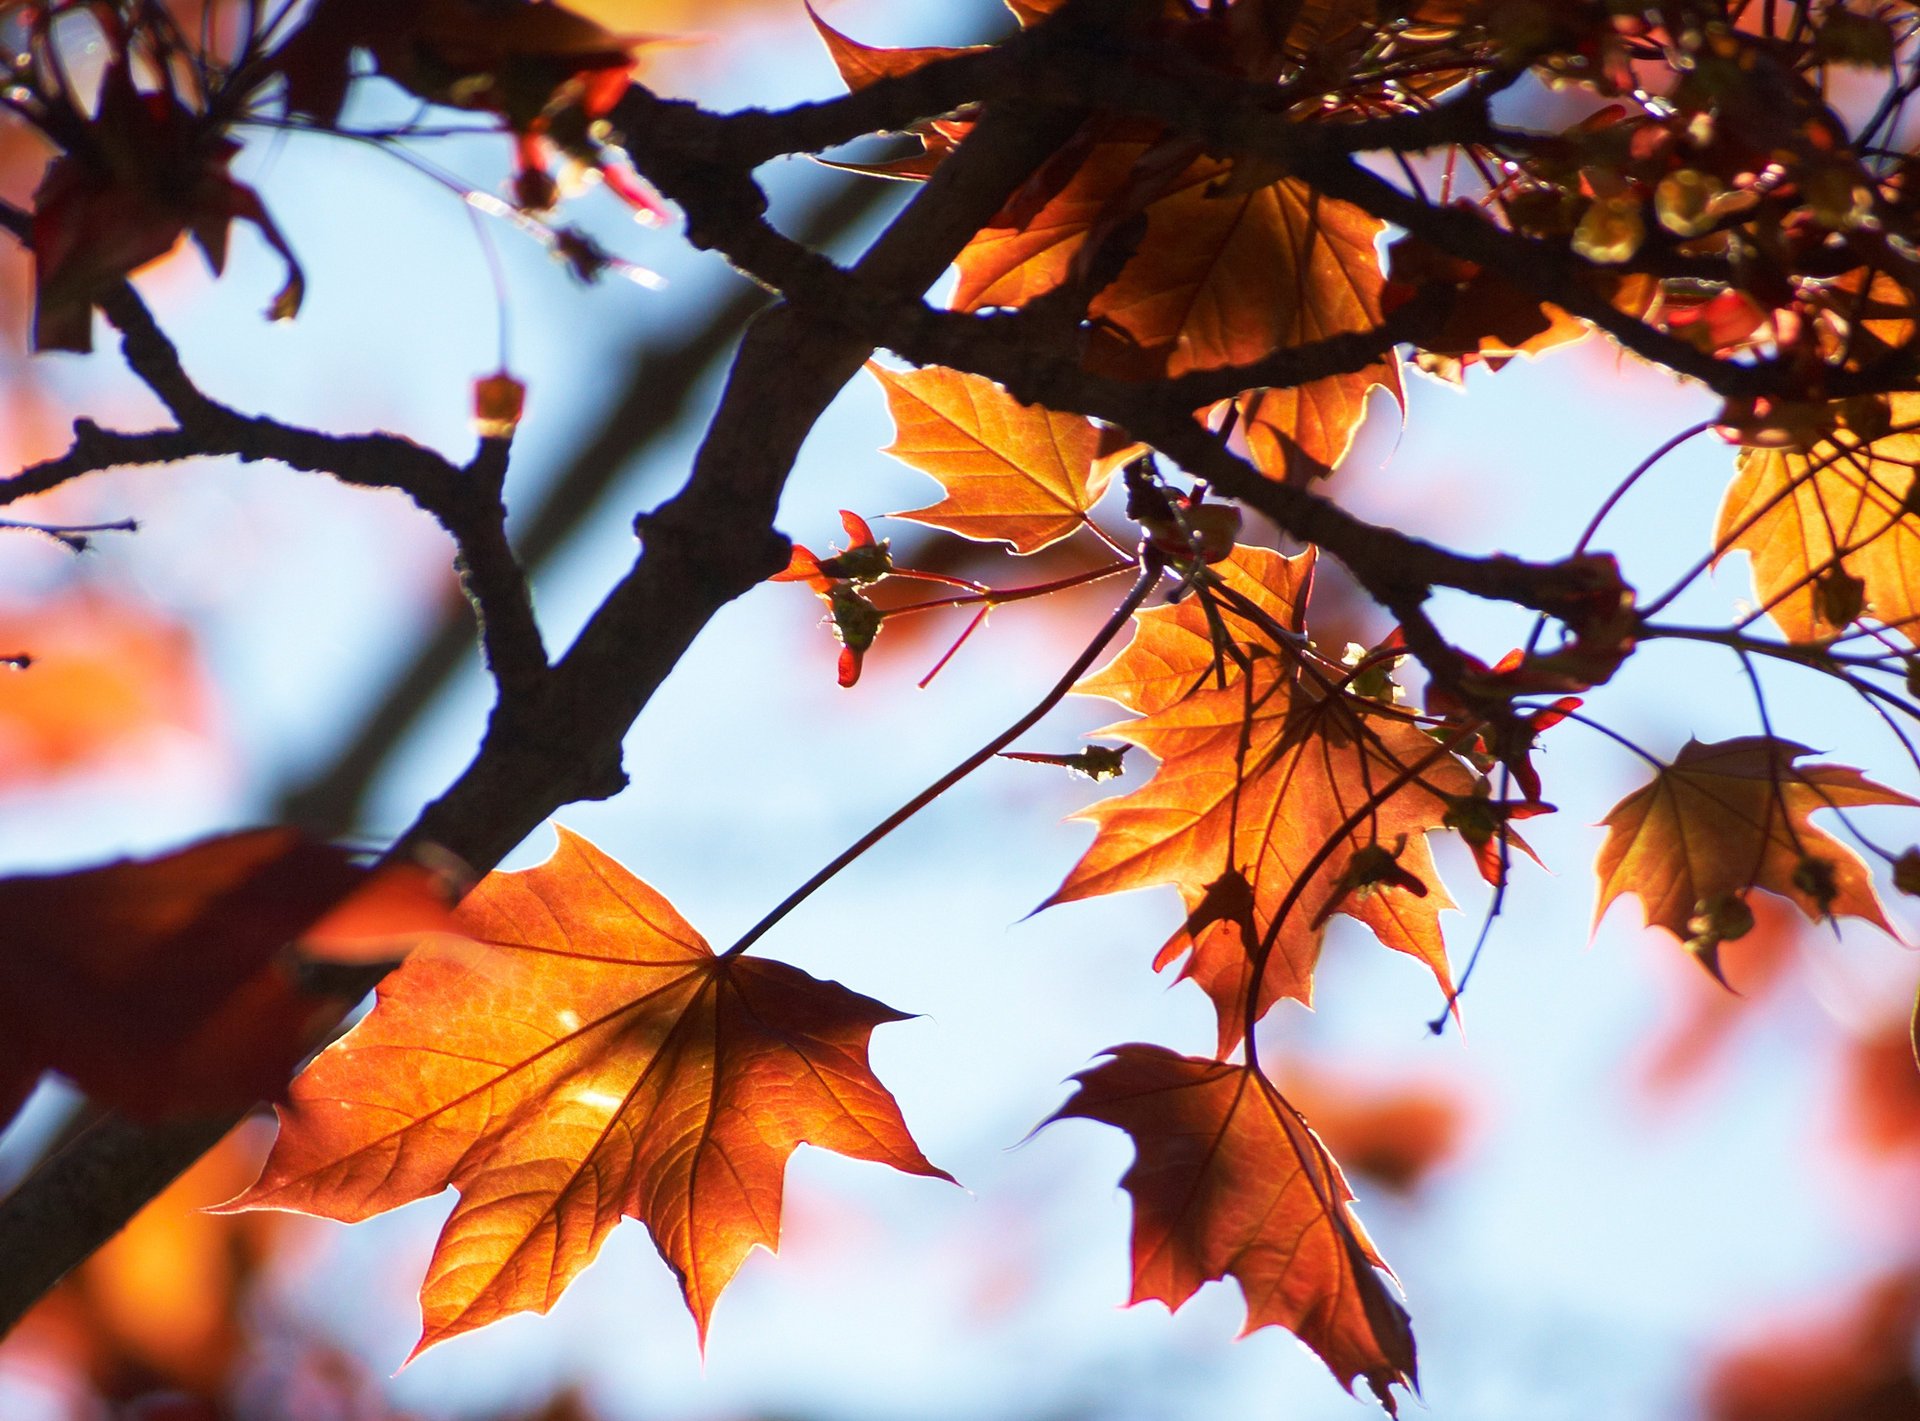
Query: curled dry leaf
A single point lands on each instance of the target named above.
(1257, 778)
(1730, 817)
(1013, 473)
(585, 1056)
(1228, 1179)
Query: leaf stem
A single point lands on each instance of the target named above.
(996, 597)
(1151, 566)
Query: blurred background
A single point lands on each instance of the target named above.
(1619, 1193)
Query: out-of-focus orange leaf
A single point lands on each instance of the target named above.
(159, 1305)
(1836, 515)
(1013, 473)
(507, 56)
(1703, 1015)
(526, 61)
(1395, 1132)
(1880, 1095)
(585, 1056)
(1228, 1179)
(1854, 1364)
(1254, 782)
(1730, 817)
(160, 985)
(102, 678)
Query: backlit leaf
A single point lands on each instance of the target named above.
(1324, 778)
(1841, 505)
(1732, 816)
(1013, 473)
(1228, 1179)
(586, 1056)
(1294, 435)
(1222, 275)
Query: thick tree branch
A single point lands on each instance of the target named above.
(663, 374)
(786, 374)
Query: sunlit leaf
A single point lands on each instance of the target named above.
(1013, 473)
(1278, 781)
(1732, 816)
(1228, 1180)
(1843, 505)
(585, 1056)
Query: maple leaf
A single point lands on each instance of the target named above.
(1013, 473)
(1228, 1179)
(1273, 778)
(144, 172)
(862, 64)
(546, 71)
(1225, 273)
(586, 1056)
(1729, 817)
(1840, 511)
(1299, 434)
(160, 985)
(1229, 269)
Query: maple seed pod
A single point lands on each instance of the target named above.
(1611, 230)
(862, 563)
(1684, 204)
(856, 621)
(1725, 917)
(1815, 877)
(1096, 762)
(1906, 873)
(1838, 596)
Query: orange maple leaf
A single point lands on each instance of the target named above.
(104, 679)
(1228, 1179)
(1730, 817)
(1228, 270)
(1831, 530)
(1259, 778)
(1299, 434)
(1013, 473)
(585, 1056)
(1225, 273)
(161, 986)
